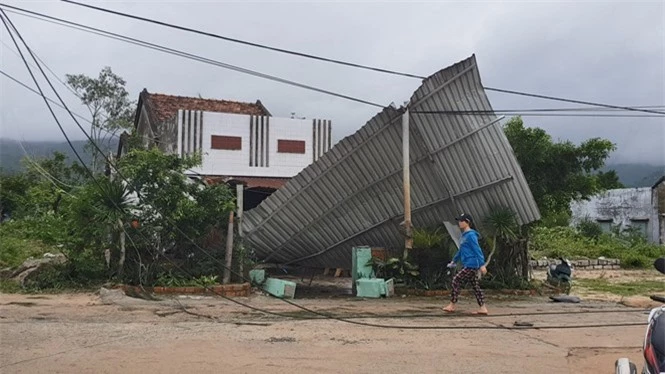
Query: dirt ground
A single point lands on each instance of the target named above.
(111, 333)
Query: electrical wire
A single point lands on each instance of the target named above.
(172, 51)
(516, 112)
(571, 100)
(248, 43)
(6, 20)
(47, 68)
(300, 54)
(531, 114)
(35, 91)
(501, 315)
(62, 107)
(55, 181)
(183, 54)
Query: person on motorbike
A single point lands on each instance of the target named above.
(473, 261)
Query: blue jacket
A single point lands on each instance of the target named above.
(469, 251)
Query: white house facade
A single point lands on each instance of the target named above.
(244, 145)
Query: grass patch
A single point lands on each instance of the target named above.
(641, 287)
(9, 286)
(13, 250)
(568, 242)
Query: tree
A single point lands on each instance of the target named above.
(176, 214)
(560, 172)
(109, 105)
(508, 241)
(41, 187)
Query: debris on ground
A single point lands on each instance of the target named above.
(641, 302)
(111, 296)
(281, 340)
(32, 267)
(565, 299)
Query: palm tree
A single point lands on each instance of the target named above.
(502, 226)
(112, 206)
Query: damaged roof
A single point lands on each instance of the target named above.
(353, 195)
(163, 107)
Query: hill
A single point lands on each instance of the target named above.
(637, 175)
(11, 152)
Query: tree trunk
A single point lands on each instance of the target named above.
(121, 261)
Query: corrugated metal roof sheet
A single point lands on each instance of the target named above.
(353, 194)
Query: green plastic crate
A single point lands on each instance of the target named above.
(282, 289)
(257, 276)
(371, 288)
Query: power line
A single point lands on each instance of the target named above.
(248, 43)
(176, 52)
(571, 100)
(533, 114)
(516, 112)
(300, 54)
(5, 19)
(47, 98)
(55, 181)
(47, 68)
(62, 107)
(180, 53)
(64, 133)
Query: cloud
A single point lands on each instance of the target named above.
(605, 52)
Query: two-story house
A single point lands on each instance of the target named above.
(239, 142)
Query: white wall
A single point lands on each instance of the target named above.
(237, 162)
(621, 206)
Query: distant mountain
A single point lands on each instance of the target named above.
(11, 152)
(637, 175)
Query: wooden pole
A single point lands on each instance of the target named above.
(229, 251)
(240, 194)
(408, 243)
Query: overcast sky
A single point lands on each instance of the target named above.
(609, 52)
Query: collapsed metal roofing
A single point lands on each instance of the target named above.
(353, 195)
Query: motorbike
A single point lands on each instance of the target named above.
(561, 275)
(654, 340)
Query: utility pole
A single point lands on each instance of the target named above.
(240, 201)
(229, 251)
(408, 229)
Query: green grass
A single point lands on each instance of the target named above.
(13, 251)
(9, 286)
(640, 287)
(568, 242)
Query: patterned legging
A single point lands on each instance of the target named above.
(465, 276)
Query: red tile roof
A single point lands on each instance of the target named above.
(164, 107)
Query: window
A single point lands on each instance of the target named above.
(605, 224)
(640, 225)
(291, 146)
(231, 143)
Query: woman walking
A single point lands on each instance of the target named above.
(473, 261)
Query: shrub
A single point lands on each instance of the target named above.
(20, 240)
(590, 229)
(568, 242)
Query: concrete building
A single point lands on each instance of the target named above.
(239, 142)
(640, 208)
(659, 198)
